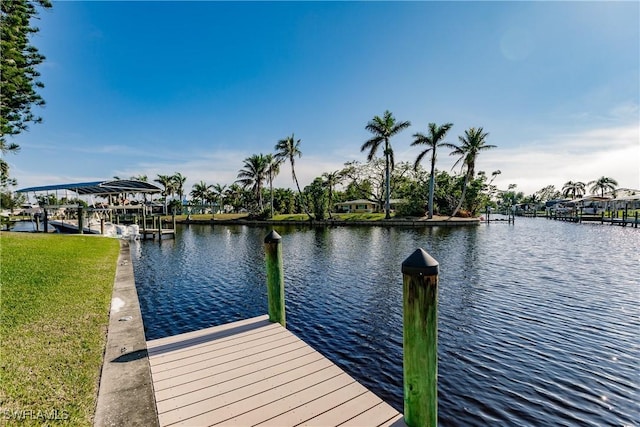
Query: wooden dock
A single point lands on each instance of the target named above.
(153, 232)
(255, 372)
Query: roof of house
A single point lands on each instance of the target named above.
(357, 202)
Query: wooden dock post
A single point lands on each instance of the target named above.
(80, 221)
(275, 277)
(159, 228)
(45, 220)
(420, 339)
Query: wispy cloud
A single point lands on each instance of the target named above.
(612, 152)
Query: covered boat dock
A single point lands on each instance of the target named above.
(69, 216)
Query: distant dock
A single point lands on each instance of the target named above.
(256, 372)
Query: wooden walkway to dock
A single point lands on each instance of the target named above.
(254, 372)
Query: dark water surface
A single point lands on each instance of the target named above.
(539, 322)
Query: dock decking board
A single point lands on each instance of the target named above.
(254, 372)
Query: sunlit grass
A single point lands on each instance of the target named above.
(207, 217)
(291, 217)
(361, 216)
(54, 310)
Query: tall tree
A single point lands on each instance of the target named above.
(472, 143)
(575, 189)
(272, 171)
(234, 196)
(383, 128)
(548, 192)
(219, 191)
(331, 179)
(18, 75)
(200, 191)
(433, 140)
(167, 187)
(288, 149)
(178, 186)
(603, 184)
(253, 175)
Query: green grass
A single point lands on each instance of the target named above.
(206, 217)
(361, 216)
(291, 217)
(55, 292)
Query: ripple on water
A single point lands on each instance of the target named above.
(534, 328)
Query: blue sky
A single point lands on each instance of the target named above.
(195, 87)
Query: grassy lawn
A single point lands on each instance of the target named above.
(55, 292)
(206, 217)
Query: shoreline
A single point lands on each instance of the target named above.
(417, 222)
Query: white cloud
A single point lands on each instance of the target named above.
(612, 152)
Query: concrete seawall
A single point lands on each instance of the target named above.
(126, 394)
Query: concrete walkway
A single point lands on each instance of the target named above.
(126, 394)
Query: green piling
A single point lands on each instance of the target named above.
(275, 277)
(420, 339)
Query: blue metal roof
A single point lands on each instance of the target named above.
(100, 187)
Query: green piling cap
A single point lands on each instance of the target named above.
(420, 262)
(273, 237)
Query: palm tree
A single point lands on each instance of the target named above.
(383, 128)
(219, 191)
(602, 184)
(210, 198)
(288, 149)
(331, 179)
(272, 171)
(575, 189)
(167, 184)
(200, 191)
(473, 141)
(178, 186)
(432, 141)
(254, 174)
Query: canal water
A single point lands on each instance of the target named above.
(539, 323)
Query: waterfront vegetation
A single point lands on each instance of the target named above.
(55, 296)
(416, 191)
